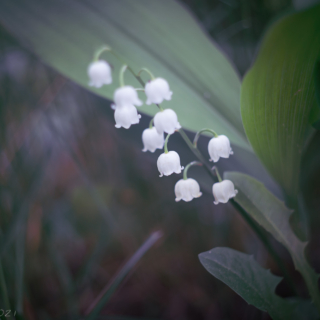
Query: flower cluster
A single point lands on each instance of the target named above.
(126, 101)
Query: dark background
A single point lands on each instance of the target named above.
(64, 169)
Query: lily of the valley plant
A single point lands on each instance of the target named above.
(157, 90)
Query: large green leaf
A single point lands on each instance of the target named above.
(278, 95)
(273, 215)
(159, 35)
(248, 279)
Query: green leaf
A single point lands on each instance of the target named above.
(278, 95)
(248, 279)
(159, 35)
(273, 215)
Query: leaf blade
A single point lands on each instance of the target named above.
(278, 95)
(160, 35)
(248, 279)
(273, 215)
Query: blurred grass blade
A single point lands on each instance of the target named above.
(278, 102)
(107, 293)
(253, 283)
(160, 35)
(103, 209)
(103, 240)
(3, 288)
(19, 267)
(20, 217)
(273, 215)
(65, 278)
(316, 123)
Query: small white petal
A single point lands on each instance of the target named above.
(99, 73)
(126, 116)
(187, 190)
(157, 90)
(219, 147)
(166, 121)
(152, 140)
(169, 163)
(223, 191)
(125, 96)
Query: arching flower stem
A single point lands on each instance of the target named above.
(198, 134)
(98, 53)
(147, 71)
(166, 143)
(121, 75)
(193, 163)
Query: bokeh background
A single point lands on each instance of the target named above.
(83, 197)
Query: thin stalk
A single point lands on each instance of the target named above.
(108, 291)
(121, 75)
(198, 134)
(193, 163)
(166, 144)
(147, 71)
(218, 174)
(151, 123)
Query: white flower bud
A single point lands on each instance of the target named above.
(125, 96)
(157, 90)
(99, 73)
(219, 147)
(223, 191)
(187, 190)
(166, 121)
(169, 163)
(126, 116)
(152, 140)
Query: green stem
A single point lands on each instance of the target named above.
(218, 174)
(166, 143)
(193, 163)
(121, 75)
(147, 71)
(98, 53)
(151, 123)
(198, 134)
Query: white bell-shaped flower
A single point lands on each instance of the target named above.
(126, 116)
(219, 147)
(152, 140)
(169, 163)
(125, 96)
(166, 121)
(223, 191)
(157, 90)
(99, 73)
(187, 190)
